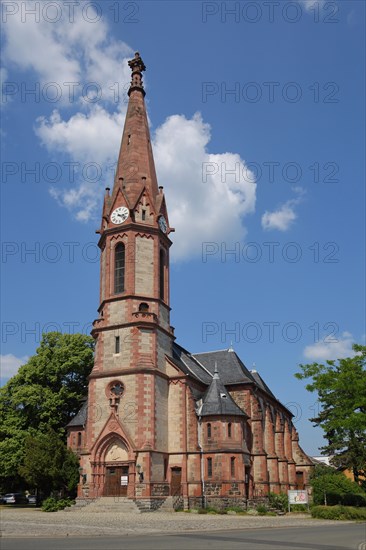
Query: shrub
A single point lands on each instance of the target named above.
(338, 512)
(279, 502)
(54, 505)
(262, 510)
(236, 509)
(333, 487)
(299, 508)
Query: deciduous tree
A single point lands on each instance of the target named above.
(341, 388)
(44, 395)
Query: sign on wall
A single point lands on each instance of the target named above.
(124, 480)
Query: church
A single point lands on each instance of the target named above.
(161, 425)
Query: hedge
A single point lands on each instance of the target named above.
(338, 512)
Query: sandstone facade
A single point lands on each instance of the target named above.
(160, 422)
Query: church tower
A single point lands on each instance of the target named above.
(163, 426)
(128, 389)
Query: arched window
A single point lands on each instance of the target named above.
(209, 433)
(161, 274)
(79, 439)
(119, 268)
(143, 306)
(229, 429)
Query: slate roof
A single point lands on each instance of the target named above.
(80, 417)
(261, 383)
(231, 369)
(217, 400)
(190, 365)
(201, 366)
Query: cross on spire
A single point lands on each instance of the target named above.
(137, 66)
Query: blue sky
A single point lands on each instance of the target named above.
(257, 117)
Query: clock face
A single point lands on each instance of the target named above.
(119, 215)
(162, 224)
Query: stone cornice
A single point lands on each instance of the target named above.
(151, 325)
(136, 297)
(127, 371)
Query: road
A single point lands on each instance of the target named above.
(322, 537)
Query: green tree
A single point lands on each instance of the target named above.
(341, 388)
(48, 465)
(44, 395)
(332, 487)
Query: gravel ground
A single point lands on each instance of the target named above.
(27, 523)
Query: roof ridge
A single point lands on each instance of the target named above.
(200, 364)
(214, 351)
(188, 367)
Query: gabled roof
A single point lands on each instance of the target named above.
(190, 365)
(80, 417)
(261, 383)
(217, 400)
(231, 369)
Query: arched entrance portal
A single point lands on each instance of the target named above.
(116, 470)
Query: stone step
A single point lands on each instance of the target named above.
(167, 505)
(112, 504)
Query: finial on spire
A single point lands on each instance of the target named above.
(231, 346)
(216, 373)
(253, 368)
(137, 66)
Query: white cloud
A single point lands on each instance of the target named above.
(78, 52)
(3, 76)
(93, 136)
(332, 347)
(9, 365)
(202, 206)
(280, 219)
(205, 202)
(310, 5)
(283, 218)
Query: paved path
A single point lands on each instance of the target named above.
(25, 522)
(319, 537)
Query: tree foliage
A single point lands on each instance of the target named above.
(48, 465)
(341, 388)
(44, 395)
(332, 487)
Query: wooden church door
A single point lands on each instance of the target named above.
(116, 481)
(175, 485)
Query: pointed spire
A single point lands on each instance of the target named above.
(135, 167)
(217, 400)
(216, 373)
